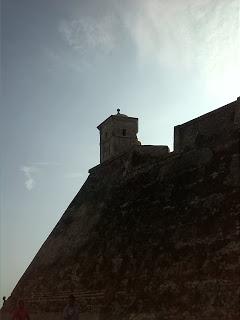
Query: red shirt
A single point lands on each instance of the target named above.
(20, 314)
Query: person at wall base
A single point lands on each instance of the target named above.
(21, 312)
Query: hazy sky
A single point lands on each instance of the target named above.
(66, 65)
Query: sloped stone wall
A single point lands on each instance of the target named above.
(52, 316)
(147, 238)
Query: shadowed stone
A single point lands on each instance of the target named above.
(151, 234)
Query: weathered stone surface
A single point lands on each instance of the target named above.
(52, 316)
(210, 130)
(118, 133)
(149, 236)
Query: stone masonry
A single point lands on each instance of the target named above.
(118, 134)
(152, 234)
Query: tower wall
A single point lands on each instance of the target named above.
(117, 134)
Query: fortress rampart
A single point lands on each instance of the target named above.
(211, 130)
(152, 234)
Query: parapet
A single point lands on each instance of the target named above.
(138, 155)
(213, 129)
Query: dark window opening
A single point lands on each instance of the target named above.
(124, 132)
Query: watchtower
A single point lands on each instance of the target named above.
(118, 133)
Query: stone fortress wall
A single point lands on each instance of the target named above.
(152, 234)
(210, 130)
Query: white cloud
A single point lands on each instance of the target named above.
(35, 167)
(157, 29)
(201, 35)
(175, 31)
(28, 172)
(88, 33)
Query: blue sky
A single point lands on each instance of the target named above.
(66, 65)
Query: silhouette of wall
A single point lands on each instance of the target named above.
(210, 130)
(150, 233)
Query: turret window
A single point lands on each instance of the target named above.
(124, 132)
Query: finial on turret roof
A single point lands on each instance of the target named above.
(118, 111)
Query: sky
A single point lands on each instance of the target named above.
(66, 65)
